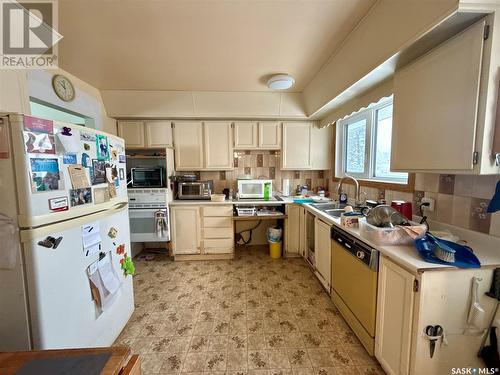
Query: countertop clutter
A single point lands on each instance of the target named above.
(407, 255)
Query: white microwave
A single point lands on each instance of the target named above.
(253, 188)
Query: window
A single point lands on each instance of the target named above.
(364, 145)
(48, 111)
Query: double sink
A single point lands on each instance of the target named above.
(331, 209)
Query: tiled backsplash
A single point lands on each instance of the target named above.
(264, 164)
(461, 200)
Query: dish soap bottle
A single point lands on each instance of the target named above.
(267, 190)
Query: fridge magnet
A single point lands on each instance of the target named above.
(50, 242)
(39, 143)
(112, 189)
(38, 125)
(114, 154)
(80, 196)
(121, 173)
(120, 249)
(111, 172)
(85, 160)
(102, 147)
(4, 140)
(66, 131)
(78, 176)
(98, 172)
(86, 146)
(58, 204)
(113, 232)
(45, 175)
(127, 265)
(87, 137)
(69, 159)
(121, 159)
(101, 195)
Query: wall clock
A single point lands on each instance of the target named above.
(63, 88)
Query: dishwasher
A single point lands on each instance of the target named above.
(354, 285)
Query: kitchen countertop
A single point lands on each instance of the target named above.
(407, 255)
(251, 202)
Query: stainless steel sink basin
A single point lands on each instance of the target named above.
(325, 206)
(336, 212)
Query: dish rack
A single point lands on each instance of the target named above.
(245, 211)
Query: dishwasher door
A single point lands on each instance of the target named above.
(354, 279)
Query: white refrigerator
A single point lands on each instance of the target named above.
(64, 232)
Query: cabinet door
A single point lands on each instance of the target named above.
(158, 134)
(296, 153)
(292, 230)
(435, 106)
(188, 140)
(218, 145)
(269, 135)
(394, 317)
(321, 148)
(246, 135)
(322, 242)
(132, 132)
(186, 230)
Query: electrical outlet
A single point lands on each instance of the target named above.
(431, 201)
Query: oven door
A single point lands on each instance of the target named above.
(149, 225)
(251, 189)
(147, 177)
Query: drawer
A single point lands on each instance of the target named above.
(218, 222)
(226, 210)
(218, 233)
(222, 245)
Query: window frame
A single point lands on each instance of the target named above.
(370, 115)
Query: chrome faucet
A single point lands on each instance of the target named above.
(357, 201)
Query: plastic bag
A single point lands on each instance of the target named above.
(274, 234)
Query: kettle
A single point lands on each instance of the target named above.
(384, 216)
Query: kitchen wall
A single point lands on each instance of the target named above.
(461, 200)
(16, 87)
(265, 165)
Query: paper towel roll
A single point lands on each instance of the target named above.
(286, 187)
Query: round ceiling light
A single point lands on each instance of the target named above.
(280, 82)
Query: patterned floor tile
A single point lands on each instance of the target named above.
(247, 316)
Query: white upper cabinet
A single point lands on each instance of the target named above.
(158, 133)
(188, 139)
(146, 134)
(269, 135)
(321, 148)
(246, 135)
(133, 133)
(296, 153)
(444, 105)
(218, 145)
(263, 135)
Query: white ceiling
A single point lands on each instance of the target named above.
(201, 45)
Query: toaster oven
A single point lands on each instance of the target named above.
(195, 189)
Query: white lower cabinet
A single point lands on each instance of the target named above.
(202, 229)
(294, 230)
(323, 252)
(394, 317)
(186, 231)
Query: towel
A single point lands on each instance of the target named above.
(494, 205)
